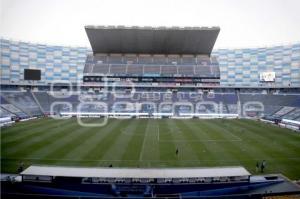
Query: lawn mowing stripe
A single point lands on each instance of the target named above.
(134, 147)
(185, 150)
(23, 132)
(167, 149)
(215, 149)
(144, 141)
(30, 133)
(247, 163)
(264, 144)
(100, 146)
(236, 149)
(116, 150)
(228, 149)
(28, 145)
(89, 144)
(255, 141)
(83, 133)
(248, 138)
(150, 144)
(22, 125)
(201, 148)
(282, 132)
(67, 136)
(42, 141)
(271, 131)
(268, 136)
(151, 152)
(280, 147)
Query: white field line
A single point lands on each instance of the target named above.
(158, 133)
(144, 141)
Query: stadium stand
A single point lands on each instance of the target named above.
(237, 67)
(5, 113)
(139, 77)
(24, 101)
(279, 106)
(7, 106)
(293, 115)
(161, 65)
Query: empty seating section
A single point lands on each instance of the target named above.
(272, 100)
(101, 68)
(12, 109)
(57, 102)
(206, 108)
(159, 102)
(151, 69)
(188, 60)
(134, 69)
(215, 70)
(88, 68)
(145, 59)
(5, 113)
(270, 110)
(130, 59)
(25, 104)
(204, 71)
(275, 106)
(186, 70)
(44, 100)
(141, 65)
(115, 59)
(169, 70)
(100, 58)
(23, 101)
(232, 108)
(174, 59)
(60, 106)
(6, 106)
(92, 108)
(204, 60)
(293, 115)
(159, 59)
(166, 108)
(283, 111)
(118, 69)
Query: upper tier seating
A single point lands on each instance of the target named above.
(145, 65)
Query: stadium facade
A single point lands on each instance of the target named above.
(238, 67)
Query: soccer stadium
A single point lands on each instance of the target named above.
(149, 112)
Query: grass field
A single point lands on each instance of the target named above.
(152, 143)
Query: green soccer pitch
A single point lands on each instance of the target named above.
(152, 143)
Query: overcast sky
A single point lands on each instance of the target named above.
(244, 23)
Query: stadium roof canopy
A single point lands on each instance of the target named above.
(136, 172)
(150, 40)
